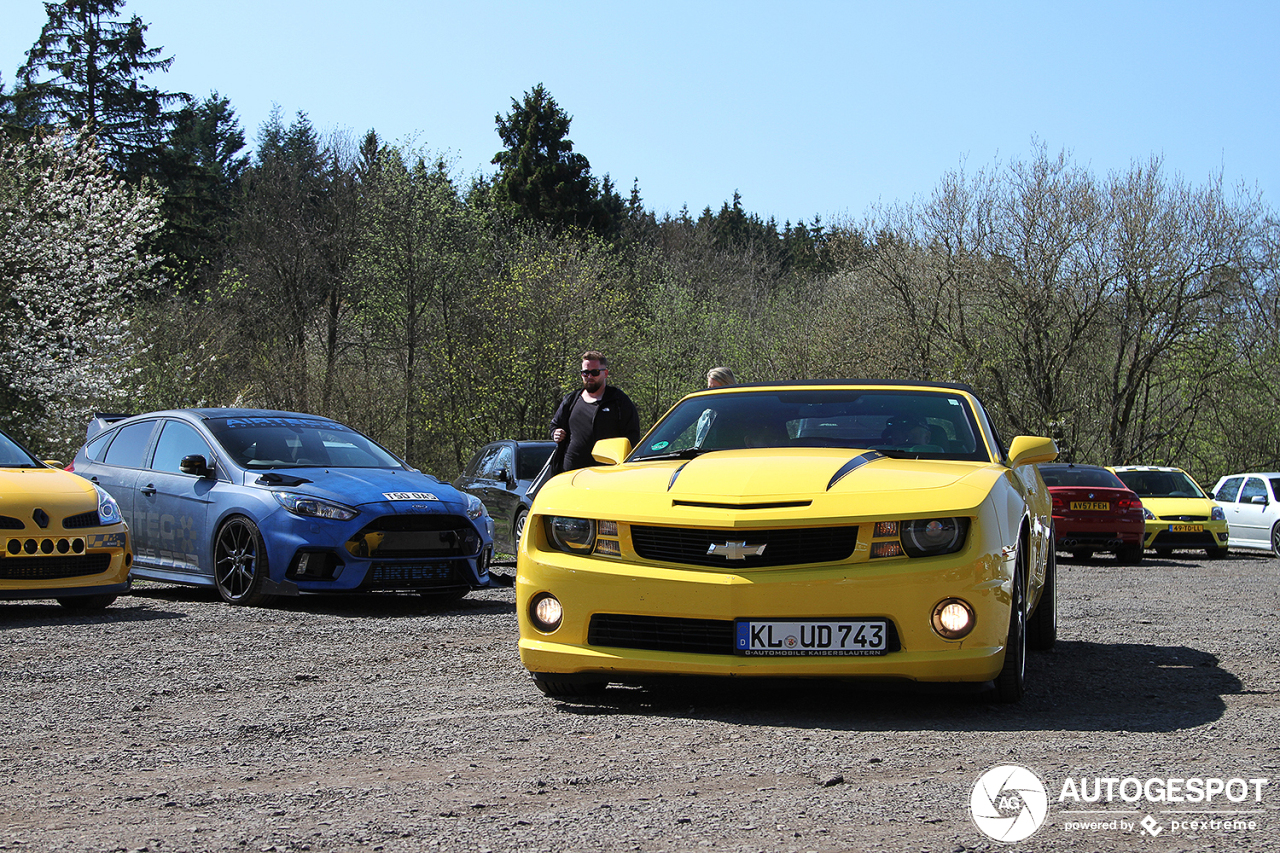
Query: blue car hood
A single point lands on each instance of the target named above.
(358, 487)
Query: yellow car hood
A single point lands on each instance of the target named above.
(48, 488)
(1164, 507)
(730, 479)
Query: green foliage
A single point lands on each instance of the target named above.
(87, 71)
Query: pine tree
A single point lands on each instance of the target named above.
(541, 177)
(86, 72)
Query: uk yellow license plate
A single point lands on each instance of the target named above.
(1091, 505)
(1186, 528)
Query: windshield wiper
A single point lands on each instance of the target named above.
(687, 453)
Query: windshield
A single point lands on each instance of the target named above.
(275, 442)
(12, 455)
(907, 423)
(1088, 478)
(1161, 484)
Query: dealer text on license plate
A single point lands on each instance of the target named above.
(1186, 528)
(799, 638)
(1091, 505)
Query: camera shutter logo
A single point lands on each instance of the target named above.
(1008, 803)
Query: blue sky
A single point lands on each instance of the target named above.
(804, 108)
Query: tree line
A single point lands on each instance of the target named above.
(1133, 316)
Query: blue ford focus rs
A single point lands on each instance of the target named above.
(260, 503)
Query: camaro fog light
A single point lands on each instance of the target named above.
(545, 612)
(886, 549)
(885, 528)
(953, 619)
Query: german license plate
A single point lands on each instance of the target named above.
(1091, 505)
(802, 638)
(1186, 528)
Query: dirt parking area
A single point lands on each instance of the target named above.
(173, 722)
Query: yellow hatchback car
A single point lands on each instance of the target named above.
(61, 536)
(875, 530)
(1178, 513)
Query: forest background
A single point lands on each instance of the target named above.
(150, 258)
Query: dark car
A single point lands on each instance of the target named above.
(500, 474)
(1094, 511)
(259, 503)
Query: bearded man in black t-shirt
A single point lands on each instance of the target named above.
(598, 411)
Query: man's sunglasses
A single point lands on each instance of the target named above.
(595, 372)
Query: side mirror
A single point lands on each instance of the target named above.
(1031, 450)
(505, 476)
(1259, 499)
(54, 463)
(195, 464)
(611, 451)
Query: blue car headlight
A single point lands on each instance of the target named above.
(313, 507)
(108, 509)
(475, 507)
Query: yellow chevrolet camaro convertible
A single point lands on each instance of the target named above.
(875, 530)
(60, 535)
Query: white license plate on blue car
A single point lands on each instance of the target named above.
(806, 637)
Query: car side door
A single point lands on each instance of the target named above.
(121, 466)
(1251, 518)
(172, 505)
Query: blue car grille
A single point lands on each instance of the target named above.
(412, 575)
(38, 568)
(792, 547)
(416, 536)
(84, 519)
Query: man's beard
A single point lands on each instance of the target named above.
(593, 384)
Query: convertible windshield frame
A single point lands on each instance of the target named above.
(901, 422)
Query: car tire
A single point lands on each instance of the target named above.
(566, 686)
(1275, 539)
(1042, 627)
(1216, 553)
(87, 603)
(517, 529)
(240, 563)
(1130, 555)
(1011, 682)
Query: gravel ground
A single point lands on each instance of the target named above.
(175, 722)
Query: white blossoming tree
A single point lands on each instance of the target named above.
(73, 258)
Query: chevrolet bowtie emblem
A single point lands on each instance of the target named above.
(736, 550)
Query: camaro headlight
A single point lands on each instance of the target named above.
(929, 537)
(108, 509)
(575, 535)
(475, 506)
(1218, 514)
(312, 507)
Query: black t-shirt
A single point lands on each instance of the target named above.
(582, 435)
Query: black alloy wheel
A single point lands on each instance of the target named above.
(240, 563)
(1011, 682)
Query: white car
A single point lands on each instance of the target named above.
(1252, 504)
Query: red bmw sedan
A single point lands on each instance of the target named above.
(1094, 511)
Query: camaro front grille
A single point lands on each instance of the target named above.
(775, 547)
(661, 633)
(674, 634)
(38, 568)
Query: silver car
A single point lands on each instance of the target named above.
(1252, 504)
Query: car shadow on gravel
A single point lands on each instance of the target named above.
(1079, 686)
(35, 614)
(351, 605)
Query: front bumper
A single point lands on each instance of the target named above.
(1163, 533)
(903, 591)
(97, 565)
